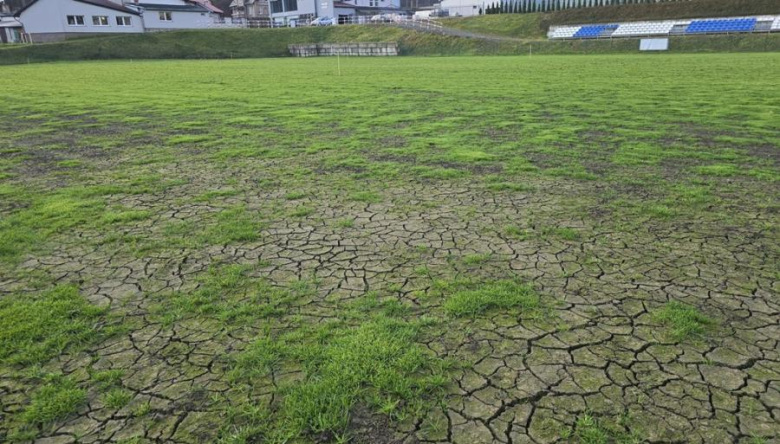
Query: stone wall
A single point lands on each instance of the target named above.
(345, 49)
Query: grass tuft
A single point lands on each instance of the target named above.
(365, 196)
(501, 294)
(684, 321)
(38, 328)
(54, 401)
(117, 398)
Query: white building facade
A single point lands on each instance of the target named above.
(52, 20)
(285, 11)
(165, 15)
(11, 30)
(462, 8)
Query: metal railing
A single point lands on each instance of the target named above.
(424, 24)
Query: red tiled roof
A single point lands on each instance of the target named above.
(207, 4)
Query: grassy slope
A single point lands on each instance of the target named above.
(257, 43)
(536, 25)
(226, 44)
(238, 44)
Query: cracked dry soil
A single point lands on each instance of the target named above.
(598, 351)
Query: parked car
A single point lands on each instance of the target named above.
(323, 21)
(382, 18)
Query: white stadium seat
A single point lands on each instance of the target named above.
(671, 27)
(644, 28)
(776, 24)
(564, 32)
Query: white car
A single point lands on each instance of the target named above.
(323, 21)
(382, 18)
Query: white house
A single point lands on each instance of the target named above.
(11, 30)
(382, 4)
(50, 20)
(163, 15)
(285, 11)
(249, 9)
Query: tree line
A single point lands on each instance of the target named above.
(524, 6)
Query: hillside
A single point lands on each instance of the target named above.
(244, 43)
(536, 25)
(262, 43)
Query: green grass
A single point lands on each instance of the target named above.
(106, 379)
(117, 398)
(301, 212)
(375, 364)
(38, 328)
(124, 216)
(718, 170)
(591, 430)
(345, 223)
(496, 295)
(45, 217)
(683, 321)
(476, 259)
(568, 234)
(227, 294)
(310, 257)
(508, 186)
(233, 225)
(365, 196)
(54, 401)
(295, 195)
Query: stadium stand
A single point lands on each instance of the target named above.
(643, 28)
(667, 27)
(564, 32)
(775, 24)
(715, 26)
(594, 31)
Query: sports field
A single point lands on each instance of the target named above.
(558, 249)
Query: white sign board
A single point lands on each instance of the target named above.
(654, 45)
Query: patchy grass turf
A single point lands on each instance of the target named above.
(443, 250)
(683, 321)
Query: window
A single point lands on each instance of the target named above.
(166, 17)
(75, 20)
(283, 6)
(290, 5)
(100, 20)
(124, 20)
(373, 3)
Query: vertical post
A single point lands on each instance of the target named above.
(338, 63)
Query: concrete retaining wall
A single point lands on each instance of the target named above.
(345, 49)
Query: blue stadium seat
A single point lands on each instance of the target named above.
(715, 26)
(593, 31)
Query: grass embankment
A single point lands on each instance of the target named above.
(265, 43)
(234, 43)
(536, 25)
